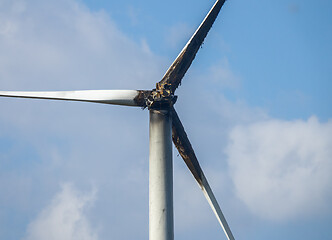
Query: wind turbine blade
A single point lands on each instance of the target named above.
(185, 149)
(116, 97)
(179, 67)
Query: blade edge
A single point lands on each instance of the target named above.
(115, 97)
(215, 207)
(181, 64)
(186, 151)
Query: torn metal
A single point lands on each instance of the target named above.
(159, 98)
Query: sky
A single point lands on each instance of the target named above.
(256, 105)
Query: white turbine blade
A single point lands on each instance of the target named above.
(116, 97)
(186, 151)
(215, 207)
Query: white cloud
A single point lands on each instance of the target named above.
(63, 44)
(64, 218)
(282, 169)
(60, 45)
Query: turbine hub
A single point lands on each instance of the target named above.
(161, 97)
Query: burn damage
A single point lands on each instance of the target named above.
(181, 64)
(162, 97)
(182, 143)
(159, 98)
(141, 97)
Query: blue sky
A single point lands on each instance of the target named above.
(282, 48)
(255, 104)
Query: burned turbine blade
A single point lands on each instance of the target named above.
(182, 143)
(179, 67)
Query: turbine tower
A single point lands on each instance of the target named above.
(164, 127)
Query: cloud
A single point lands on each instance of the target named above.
(63, 44)
(64, 218)
(282, 169)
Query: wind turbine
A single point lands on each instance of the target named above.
(164, 126)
